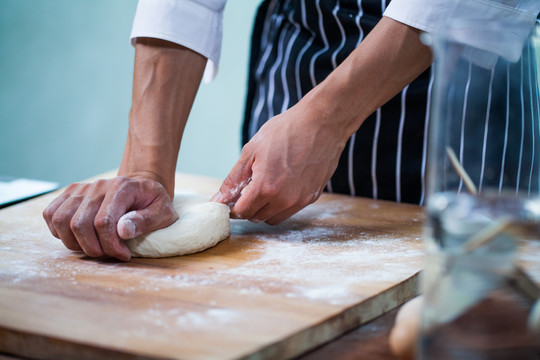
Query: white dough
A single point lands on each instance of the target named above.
(201, 225)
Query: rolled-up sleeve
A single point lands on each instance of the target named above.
(195, 24)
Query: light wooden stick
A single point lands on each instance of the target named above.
(461, 171)
(486, 235)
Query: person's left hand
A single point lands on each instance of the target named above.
(284, 167)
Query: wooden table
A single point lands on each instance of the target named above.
(266, 292)
(368, 341)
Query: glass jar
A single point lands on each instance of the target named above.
(483, 204)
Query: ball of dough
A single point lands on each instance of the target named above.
(404, 335)
(201, 225)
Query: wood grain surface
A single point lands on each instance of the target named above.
(266, 292)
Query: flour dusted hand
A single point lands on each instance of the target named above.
(284, 167)
(201, 225)
(85, 216)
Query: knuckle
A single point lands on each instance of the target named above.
(99, 183)
(59, 220)
(125, 185)
(102, 223)
(48, 214)
(122, 179)
(77, 188)
(119, 181)
(78, 226)
(246, 148)
(269, 191)
(72, 187)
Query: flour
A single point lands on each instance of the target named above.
(300, 259)
(330, 294)
(208, 317)
(308, 261)
(311, 259)
(331, 210)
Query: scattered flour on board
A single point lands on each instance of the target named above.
(211, 316)
(320, 270)
(318, 263)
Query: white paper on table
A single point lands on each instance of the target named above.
(19, 189)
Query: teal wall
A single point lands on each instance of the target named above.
(65, 90)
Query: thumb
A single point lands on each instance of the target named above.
(139, 222)
(234, 183)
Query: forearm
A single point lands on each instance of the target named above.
(388, 59)
(166, 79)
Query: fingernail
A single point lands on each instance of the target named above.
(127, 228)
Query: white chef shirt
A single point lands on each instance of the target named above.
(195, 24)
(198, 24)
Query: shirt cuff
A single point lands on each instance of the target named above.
(197, 25)
(434, 16)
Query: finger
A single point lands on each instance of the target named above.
(271, 216)
(116, 203)
(50, 210)
(282, 216)
(234, 183)
(277, 205)
(263, 214)
(254, 198)
(127, 225)
(62, 218)
(82, 224)
(156, 216)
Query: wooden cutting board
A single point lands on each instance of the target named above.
(266, 292)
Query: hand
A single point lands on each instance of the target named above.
(95, 218)
(284, 168)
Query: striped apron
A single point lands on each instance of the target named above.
(295, 45)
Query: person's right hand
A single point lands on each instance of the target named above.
(95, 218)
